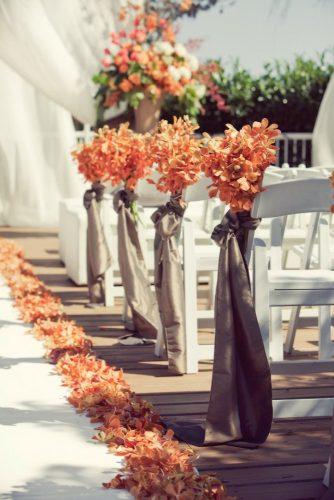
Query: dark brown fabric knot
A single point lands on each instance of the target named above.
(238, 224)
(171, 225)
(124, 197)
(96, 191)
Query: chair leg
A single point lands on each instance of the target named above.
(292, 329)
(326, 350)
(159, 348)
(261, 290)
(212, 288)
(127, 316)
(276, 334)
(190, 298)
(109, 287)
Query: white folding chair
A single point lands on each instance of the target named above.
(281, 287)
(200, 259)
(73, 241)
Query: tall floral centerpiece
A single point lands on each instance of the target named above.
(143, 66)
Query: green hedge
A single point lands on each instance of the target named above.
(286, 93)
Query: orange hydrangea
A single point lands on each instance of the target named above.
(237, 161)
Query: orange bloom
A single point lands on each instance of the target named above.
(135, 79)
(169, 34)
(236, 162)
(118, 155)
(186, 5)
(176, 152)
(151, 21)
(142, 58)
(125, 85)
(123, 68)
(118, 60)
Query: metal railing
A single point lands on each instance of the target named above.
(294, 148)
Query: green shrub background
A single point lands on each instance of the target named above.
(286, 93)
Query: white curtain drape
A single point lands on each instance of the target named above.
(36, 136)
(323, 133)
(30, 45)
(49, 51)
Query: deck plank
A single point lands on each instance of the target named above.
(289, 466)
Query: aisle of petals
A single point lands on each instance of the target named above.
(156, 465)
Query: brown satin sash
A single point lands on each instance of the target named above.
(98, 255)
(169, 282)
(240, 405)
(141, 299)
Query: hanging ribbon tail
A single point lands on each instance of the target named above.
(240, 406)
(169, 282)
(135, 278)
(98, 254)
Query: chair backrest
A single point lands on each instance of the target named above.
(148, 194)
(307, 173)
(325, 169)
(294, 197)
(198, 191)
(271, 177)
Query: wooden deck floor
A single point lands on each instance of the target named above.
(288, 466)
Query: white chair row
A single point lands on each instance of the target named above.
(273, 287)
(196, 258)
(73, 241)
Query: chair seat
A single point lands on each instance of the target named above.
(207, 257)
(292, 236)
(301, 279)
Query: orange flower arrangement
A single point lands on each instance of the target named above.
(118, 155)
(155, 464)
(236, 162)
(177, 155)
(90, 159)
